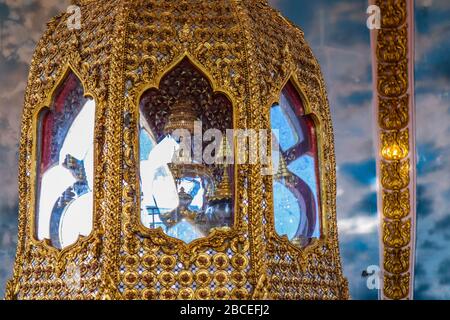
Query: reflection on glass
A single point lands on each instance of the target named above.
(305, 169)
(66, 166)
(179, 198)
(288, 210)
(286, 134)
(296, 188)
(180, 194)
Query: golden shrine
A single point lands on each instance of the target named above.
(107, 213)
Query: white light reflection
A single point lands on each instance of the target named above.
(77, 218)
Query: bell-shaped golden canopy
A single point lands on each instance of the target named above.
(248, 52)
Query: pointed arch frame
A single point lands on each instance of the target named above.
(47, 105)
(308, 111)
(158, 233)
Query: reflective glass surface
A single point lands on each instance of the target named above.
(65, 166)
(296, 187)
(186, 196)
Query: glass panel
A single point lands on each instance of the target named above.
(182, 194)
(342, 46)
(305, 169)
(286, 134)
(288, 210)
(296, 187)
(65, 166)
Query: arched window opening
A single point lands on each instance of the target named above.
(182, 191)
(65, 166)
(296, 183)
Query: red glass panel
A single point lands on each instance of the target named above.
(64, 168)
(56, 122)
(297, 196)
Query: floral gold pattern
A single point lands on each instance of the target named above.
(393, 56)
(396, 204)
(394, 113)
(248, 52)
(395, 174)
(395, 144)
(396, 286)
(397, 233)
(398, 261)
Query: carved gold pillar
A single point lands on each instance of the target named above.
(393, 70)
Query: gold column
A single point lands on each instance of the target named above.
(393, 67)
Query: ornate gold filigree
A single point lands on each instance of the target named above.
(396, 233)
(395, 144)
(396, 204)
(397, 162)
(394, 46)
(393, 114)
(248, 52)
(396, 286)
(393, 79)
(395, 174)
(396, 260)
(394, 13)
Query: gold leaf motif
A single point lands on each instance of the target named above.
(167, 279)
(185, 278)
(184, 33)
(395, 144)
(203, 294)
(150, 294)
(393, 13)
(396, 286)
(396, 260)
(393, 79)
(186, 294)
(396, 233)
(396, 205)
(393, 117)
(395, 174)
(221, 293)
(393, 113)
(393, 47)
(168, 294)
(131, 279)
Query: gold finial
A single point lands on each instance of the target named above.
(224, 151)
(182, 116)
(223, 190)
(184, 33)
(283, 171)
